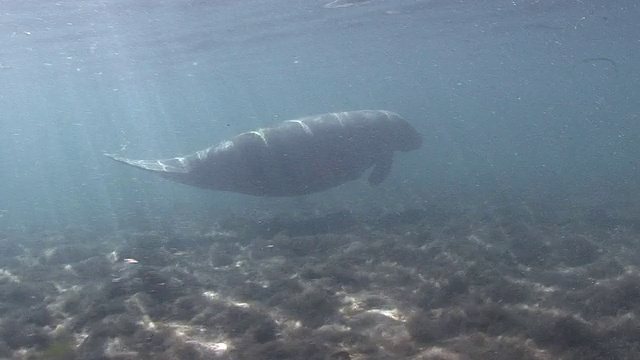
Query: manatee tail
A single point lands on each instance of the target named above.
(173, 165)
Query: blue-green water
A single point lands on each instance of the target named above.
(536, 99)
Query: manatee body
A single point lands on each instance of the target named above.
(295, 157)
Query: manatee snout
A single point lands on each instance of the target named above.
(407, 138)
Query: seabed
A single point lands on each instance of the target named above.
(498, 282)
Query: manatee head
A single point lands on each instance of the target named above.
(403, 136)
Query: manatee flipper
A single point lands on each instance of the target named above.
(173, 165)
(381, 169)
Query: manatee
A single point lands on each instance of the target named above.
(295, 157)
